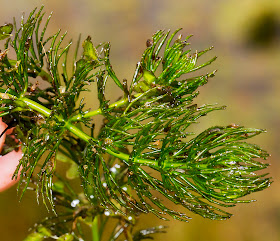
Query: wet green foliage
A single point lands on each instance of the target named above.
(5, 31)
(143, 158)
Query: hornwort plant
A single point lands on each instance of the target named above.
(141, 159)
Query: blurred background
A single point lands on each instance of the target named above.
(246, 37)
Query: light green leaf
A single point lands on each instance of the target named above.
(72, 172)
(5, 31)
(66, 237)
(58, 186)
(149, 77)
(41, 234)
(145, 85)
(63, 158)
(34, 237)
(90, 52)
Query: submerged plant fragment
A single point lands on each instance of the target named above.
(144, 153)
(9, 158)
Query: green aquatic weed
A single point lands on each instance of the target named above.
(143, 158)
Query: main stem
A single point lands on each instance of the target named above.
(78, 132)
(83, 136)
(95, 229)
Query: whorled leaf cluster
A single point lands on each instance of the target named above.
(144, 154)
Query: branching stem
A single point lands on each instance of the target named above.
(40, 108)
(116, 104)
(83, 136)
(99, 111)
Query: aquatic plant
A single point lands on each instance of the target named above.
(143, 159)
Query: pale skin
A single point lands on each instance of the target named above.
(8, 162)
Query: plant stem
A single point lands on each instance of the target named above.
(123, 156)
(47, 112)
(95, 229)
(99, 111)
(40, 108)
(83, 136)
(127, 158)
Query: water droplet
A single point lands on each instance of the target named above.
(129, 218)
(117, 166)
(75, 202)
(107, 213)
(108, 141)
(113, 169)
(104, 184)
(91, 196)
(62, 89)
(47, 137)
(124, 188)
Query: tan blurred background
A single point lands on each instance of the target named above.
(246, 36)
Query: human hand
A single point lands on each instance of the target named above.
(8, 162)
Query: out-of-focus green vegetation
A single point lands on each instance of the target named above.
(246, 36)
